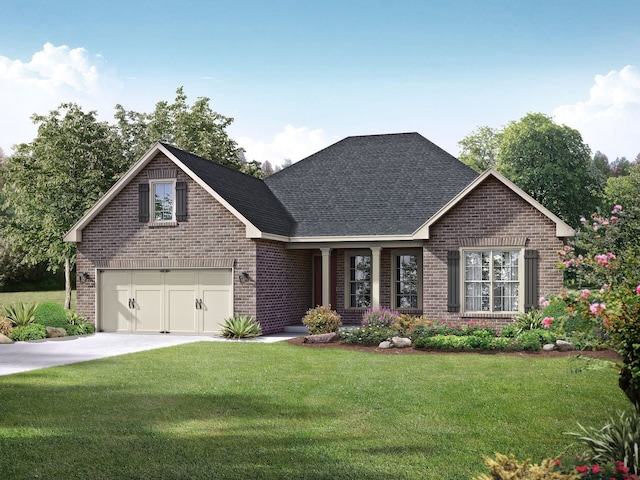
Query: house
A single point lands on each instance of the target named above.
(179, 242)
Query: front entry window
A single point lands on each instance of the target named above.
(360, 281)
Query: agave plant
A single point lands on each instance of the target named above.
(241, 327)
(21, 315)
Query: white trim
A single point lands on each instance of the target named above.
(562, 229)
(152, 201)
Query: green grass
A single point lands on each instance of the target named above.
(271, 411)
(8, 298)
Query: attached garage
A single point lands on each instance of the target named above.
(183, 301)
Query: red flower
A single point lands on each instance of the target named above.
(595, 469)
(582, 468)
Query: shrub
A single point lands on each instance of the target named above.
(531, 320)
(510, 331)
(529, 340)
(617, 441)
(380, 317)
(76, 325)
(51, 314)
(370, 335)
(32, 331)
(5, 325)
(322, 320)
(509, 468)
(406, 323)
(20, 315)
(430, 329)
(241, 327)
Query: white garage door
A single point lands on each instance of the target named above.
(171, 301)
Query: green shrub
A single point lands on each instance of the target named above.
(241, 327)
(531, 320)
(51, 314)
(529, 340)
(33, 331)
(370, 335)
(20, 315)
(380, 317)
(617, 441)
(434, 328)
(557, 309)
(470, 342)
(407, 323)
(510, 331)
(322, 320)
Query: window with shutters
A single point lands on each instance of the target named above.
(163, 205)
(492, 280)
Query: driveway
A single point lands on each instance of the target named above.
(25, 356)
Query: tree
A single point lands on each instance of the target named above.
(552, 164)
(196, 129)
(52, 181)
(620, 167)
(623, 190)
(480, 148)
(600, 165)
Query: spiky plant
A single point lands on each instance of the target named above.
(21, 315)
(241, 327)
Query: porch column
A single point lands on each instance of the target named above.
(326, 278)
(375, 276)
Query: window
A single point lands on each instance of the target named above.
(407, 280)
(163, 196)
(492, 281)
(359, 281)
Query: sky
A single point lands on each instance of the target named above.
(297, 76)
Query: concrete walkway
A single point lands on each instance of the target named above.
(25, 356)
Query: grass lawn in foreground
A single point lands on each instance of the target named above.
(225, 410)
(56, 296)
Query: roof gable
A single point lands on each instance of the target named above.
(374, 185)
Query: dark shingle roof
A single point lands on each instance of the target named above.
(370, 185)
(250, 196)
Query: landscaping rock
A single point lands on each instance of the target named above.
(400, 342)
(549, 347)
(385, 344)
(5, 339)
(321, 338)
(55, 332)
(564, 346)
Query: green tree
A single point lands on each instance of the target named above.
(623, 190)
(196, 129)
(552, 164)
(480, 148)
(53, 180)
(620, 167)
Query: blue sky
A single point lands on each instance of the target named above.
(298, 76)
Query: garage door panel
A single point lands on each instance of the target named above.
(114, 305)
(182, 311)
(148, 310)
(216, 308)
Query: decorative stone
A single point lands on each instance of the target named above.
(5, 339)
(565, 346)
(549, 347)
(55, 332)
(321, 338)
(400, 342)
(385, 344)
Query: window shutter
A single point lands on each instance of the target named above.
(143, 202)
(181, 201)
(453, 281)
(530, 279)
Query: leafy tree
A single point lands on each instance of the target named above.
(623, 190)
(480, 148)
(52, 181)
(196, 129)
(620, 167)
(551, 163)
(600, 165)
(267, 168)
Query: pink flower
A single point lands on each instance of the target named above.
(597, 308)
(617, 208)
(569, 262)
(614, 220)
(585, 294)
(582, 219)
(638, 289)
(547, 321)
(582, 468)
(595, 469)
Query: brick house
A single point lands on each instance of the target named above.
(179, 243)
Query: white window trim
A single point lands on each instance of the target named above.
(394, 256)
(347, 277)
(152, 204)
(521, 278)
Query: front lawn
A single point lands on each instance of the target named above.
(55, 296)
(269, 411)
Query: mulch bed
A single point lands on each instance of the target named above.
(604, 354)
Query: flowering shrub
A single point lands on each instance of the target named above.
(429, 329)
(585, 468)
(380, 317)
(609, 259)
(322, 320)
(369, 335)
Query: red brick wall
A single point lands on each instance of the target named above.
(210, 232)
(491, 211)
(283, 285)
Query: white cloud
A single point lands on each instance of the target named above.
(292, 143)
(609, 119)
(54, 75)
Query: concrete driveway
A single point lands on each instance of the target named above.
(25, 356)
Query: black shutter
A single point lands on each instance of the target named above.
(453, 281)
(530, 280)
(143, 202)
(181, 201)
